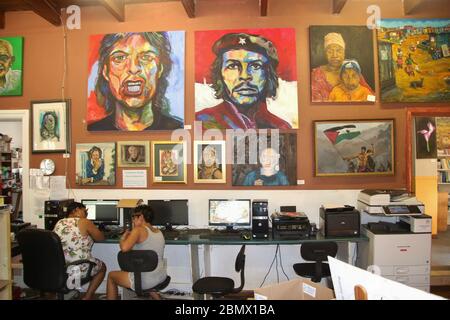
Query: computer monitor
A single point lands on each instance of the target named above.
(102, 212)
(229, 213)
(169, 213)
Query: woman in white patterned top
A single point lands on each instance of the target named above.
(77, 235)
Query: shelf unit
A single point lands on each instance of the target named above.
(443, 170)
(6, 176)
(5, 254)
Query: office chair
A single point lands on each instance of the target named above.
(220, 286)
(138, 261)
(44, 265)
(318, 252)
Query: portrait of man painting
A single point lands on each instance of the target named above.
(354, 147)
(341, 62)
(443, 136)
(50, 126)
(265, 160)
(425, 128)
(11, 66)
(246, 79)
(95, 164)
(136, 81)
(133, 153)
(414, 60)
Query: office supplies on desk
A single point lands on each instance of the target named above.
(290, 225)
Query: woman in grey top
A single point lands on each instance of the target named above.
(144, 236)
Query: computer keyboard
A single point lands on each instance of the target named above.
(222, 235)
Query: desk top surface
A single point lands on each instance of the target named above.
(189, 237)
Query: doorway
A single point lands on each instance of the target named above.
(21, 118)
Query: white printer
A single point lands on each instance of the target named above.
(389, 203)
(393, 206)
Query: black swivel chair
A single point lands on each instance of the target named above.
(44, 265)
(219, 286)
(138, 261)
(318, 252)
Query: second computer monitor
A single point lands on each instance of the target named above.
(102, 212)
(229, 213)
(169, 212)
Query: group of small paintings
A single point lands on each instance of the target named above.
(432, 135)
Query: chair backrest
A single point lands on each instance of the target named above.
(138, 261)
(318, 251)
(43, 260)
(239, 266)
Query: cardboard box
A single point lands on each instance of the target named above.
(297, 289)
(129, 203)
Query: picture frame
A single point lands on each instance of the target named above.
(50, 130)
(95, 164)
(265, 160)
(133, 153)
(12, 66)
(354, 147)
(169, 161)
(413, 60)
(344, 52)
(206, 168)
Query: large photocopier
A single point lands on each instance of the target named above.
(399, 235)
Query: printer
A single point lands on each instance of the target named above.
(389, 203)
(394, 206)
(290, 225)
(339, 221)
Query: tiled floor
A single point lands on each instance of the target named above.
(440, 249)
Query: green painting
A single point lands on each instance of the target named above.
(11, 66)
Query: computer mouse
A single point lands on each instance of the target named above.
(246, 236)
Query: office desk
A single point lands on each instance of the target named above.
(194, 242)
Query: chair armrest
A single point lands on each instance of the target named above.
(79, 262)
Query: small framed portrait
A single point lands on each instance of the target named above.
(133, 153)
(209, 162)
(96, 164)
(354, 147)
(50, 126)
(169, 161)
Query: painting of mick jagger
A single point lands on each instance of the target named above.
(354, 147)
(414, 60)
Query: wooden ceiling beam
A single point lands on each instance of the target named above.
(338, 5)
(263, 7)
(47, 9)
(189, 6)
(410, 5)
(116, 8)
(2, 19)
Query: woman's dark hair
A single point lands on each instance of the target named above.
(74, 206)
(146, 211)
(95, 148)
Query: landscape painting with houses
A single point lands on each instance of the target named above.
(414, 60)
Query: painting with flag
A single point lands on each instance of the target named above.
(354, 147)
